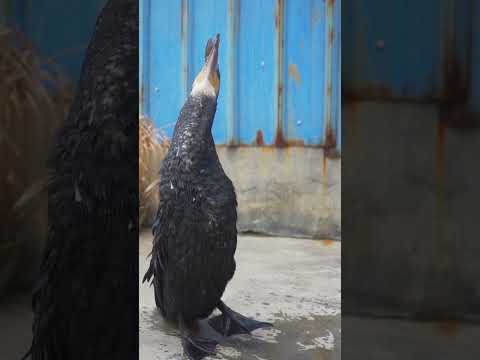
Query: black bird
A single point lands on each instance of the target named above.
(85, 303)
(195, 234)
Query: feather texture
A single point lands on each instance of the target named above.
(85, 302)
(195, 234)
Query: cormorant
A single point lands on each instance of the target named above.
(195, 233)
(85, 302)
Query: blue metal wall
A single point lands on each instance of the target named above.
(474, 89)
(60, 31)
(409, 49)
(279, 65)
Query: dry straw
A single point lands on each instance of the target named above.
(34, 98)
(153, 146)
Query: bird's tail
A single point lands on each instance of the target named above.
(148, 275)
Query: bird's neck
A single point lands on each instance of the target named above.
(192, 138)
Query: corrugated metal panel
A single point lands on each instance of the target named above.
(61, 32)
(279, 62)
(411, 50)
(474, 100)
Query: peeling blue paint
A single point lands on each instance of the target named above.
(260, 99)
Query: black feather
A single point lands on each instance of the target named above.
(85, 303)
(195, 234)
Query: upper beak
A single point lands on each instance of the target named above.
(212, 57)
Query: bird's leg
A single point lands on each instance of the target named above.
(194, 345)
(233, 323)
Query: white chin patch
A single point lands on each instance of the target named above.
(203, 87)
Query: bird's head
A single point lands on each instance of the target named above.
(207, 81)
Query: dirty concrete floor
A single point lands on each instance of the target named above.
(391, 339)
(293, 283)
(15, 325)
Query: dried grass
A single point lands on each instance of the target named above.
(34, 98)
(153, 146)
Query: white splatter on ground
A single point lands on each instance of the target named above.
(229, 352)
(267, 335)
(325, 342)
(258, 357)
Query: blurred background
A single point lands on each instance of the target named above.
(42, 46)
(42, 50)
(411, 102)
(410, 105)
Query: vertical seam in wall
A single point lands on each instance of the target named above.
(232, 118)
(329, 14)
(338, 76)
(141, 34)
(279, 73)
(185, 48)
(448, 45)
(146, 49)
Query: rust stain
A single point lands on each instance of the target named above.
(278, 13)
(324, 167)
(329, 90)
(459, 119)
(296, 143)
(330, 2)
(328, 242)
(330, 142)
(294, 73)
(279, 142)
(373, 92)
(259, 139)
(280, 89)
(331, 37)
(279, 139)
(456, 80)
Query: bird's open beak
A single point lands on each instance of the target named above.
(211, 53)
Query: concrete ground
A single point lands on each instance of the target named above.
(15, 325)
(307, 322)
(293, 283)
(391, 339)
